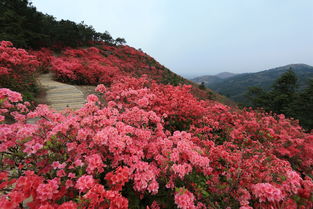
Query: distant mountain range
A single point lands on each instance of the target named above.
(209, 79)
(235, 86)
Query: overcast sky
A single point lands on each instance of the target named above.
(195, 37)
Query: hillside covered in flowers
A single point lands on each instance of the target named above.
(147, 139)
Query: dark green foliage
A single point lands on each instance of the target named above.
(279, 99)
(175, 123)
(304, 106)
(120, 41)
(258, 97)
(172, 78)
(25, 27)
(164, 197)
(283, 94)
(202, 86)
(28, 88)
(284, 98)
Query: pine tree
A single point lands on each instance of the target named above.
(280, 99)
(283, 93)
(202, 86)
(304, 106)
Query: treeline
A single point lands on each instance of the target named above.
(26, 27)
(285, 98)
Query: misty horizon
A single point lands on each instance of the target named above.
(194, 75)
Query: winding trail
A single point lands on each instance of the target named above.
(59, 95)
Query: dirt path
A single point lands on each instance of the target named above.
(60, 96)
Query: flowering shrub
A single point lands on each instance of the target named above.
(17, 67)
(44, 56)
(121, 155)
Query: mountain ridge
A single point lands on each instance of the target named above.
(207, 79)
(235, 87)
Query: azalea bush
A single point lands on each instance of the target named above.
(44, 57)
(17, 68)
(121, 155)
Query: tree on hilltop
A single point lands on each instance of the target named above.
(120, 41)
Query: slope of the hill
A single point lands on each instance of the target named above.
(236, 87)
(105, 63)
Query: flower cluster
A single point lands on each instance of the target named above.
(13, 60)
(184, 199)
(267, 192)
(44, 56)
(118, 178)
(17, 67)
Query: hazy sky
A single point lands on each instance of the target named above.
(193, 37)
